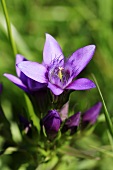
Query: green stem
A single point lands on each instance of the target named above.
(107, 117)
(9, 27)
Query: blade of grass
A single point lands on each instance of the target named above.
(102, 150)
(107, 117)
(9, 27)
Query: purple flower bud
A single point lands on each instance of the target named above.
(26, 124)
(51, 123)
(72, 123)
(91, 115)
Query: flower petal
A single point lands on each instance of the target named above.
(22, 76)
(56, 90)
(52, 122)
(81, 58)
(16, 81)
(33, 70)
(25, 124)
(34, 85)
(51, 50)
(19, 58)
(81, 84)
(90, 116)
(64, 111)
(72, 123)
(73, 120)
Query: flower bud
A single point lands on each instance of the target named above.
(72, 123)
(51, 123)
(26, 125)
(91, 115)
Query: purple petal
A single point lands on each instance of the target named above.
(33, 70)
(19, 58)
(51, 122)
(25, 123)
(72, 123)
(90, 116)
(34, 85)
(81, 58)
(51, 50)
(64, 111)
(56, 90)
(73, 120)
(16, 81)
(22, 76)
(81, 84)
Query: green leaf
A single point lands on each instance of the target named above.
(32, 115)
(103, 150)
(48, 165)
(78, 153)
(107, 117)
(9, 27)
(10, 150)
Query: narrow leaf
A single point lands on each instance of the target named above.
(31, 113)
(107, 117)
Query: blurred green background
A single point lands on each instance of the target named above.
(74, 24)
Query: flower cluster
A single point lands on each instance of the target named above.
(52, 121)
(50, 83)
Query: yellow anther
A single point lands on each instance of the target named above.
(60, 75)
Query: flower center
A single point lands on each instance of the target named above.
(58, 75)
(60, 72)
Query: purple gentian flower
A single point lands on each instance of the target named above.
(51, 123)
(72, 123)
(91, 115)
(22, 81)
(57, 72)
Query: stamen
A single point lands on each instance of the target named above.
(60, 75)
